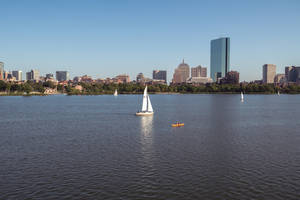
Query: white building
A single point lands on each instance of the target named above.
(17, 75)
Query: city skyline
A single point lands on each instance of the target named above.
(109, 38)
(183, 69)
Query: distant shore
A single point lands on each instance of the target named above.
(152, 93)
(30, 88)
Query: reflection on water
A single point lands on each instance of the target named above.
(146, 125)
(146, 140)
(146, 133)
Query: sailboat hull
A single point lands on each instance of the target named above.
(144, 113)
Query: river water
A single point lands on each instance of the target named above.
(94, 147)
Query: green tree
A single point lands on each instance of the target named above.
(3, 85)
(27, 88)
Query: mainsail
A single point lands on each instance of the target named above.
(144, 106)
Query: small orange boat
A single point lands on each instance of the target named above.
(177, 124)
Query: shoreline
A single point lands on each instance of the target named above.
(152, 93)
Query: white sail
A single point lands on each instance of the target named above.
(242, 96)
(278, 93)
(147, 109)
(150, 109)
(116, 93)
(144, 106)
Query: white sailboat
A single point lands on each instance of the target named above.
(242, 96)
(146, 107)
(278, 93)
(116, 93)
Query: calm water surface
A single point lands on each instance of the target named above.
(94, 147)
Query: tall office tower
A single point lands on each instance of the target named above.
(269, 72)
(62, 75)
(219, 58)
(159, 75)
(17, 75)
(1, 70)
(287, 71)
(292, 74)
(28, 76)
(33, 75)
(203, 72)
(182, 73)
(198, 71)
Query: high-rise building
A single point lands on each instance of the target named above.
(269, 72)
(62, 76)
(33, 75)
(159, 75)
(198, 71)
(287, 71)
(219, 58)
(292, 74)
(182, 73)
(28, 76)
(203, 72)
(17, 75)
(1, 70)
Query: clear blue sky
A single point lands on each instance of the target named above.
(106, 38)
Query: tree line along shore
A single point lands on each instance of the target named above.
(32, 88)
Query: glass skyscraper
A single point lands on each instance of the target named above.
(219, 58)
(62, 75)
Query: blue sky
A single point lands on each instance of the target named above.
(107, 38)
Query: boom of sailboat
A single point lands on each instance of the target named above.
(146, 106)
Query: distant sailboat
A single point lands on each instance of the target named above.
(242, 96)
(278, 93)
(146, 107)
(116, 93)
